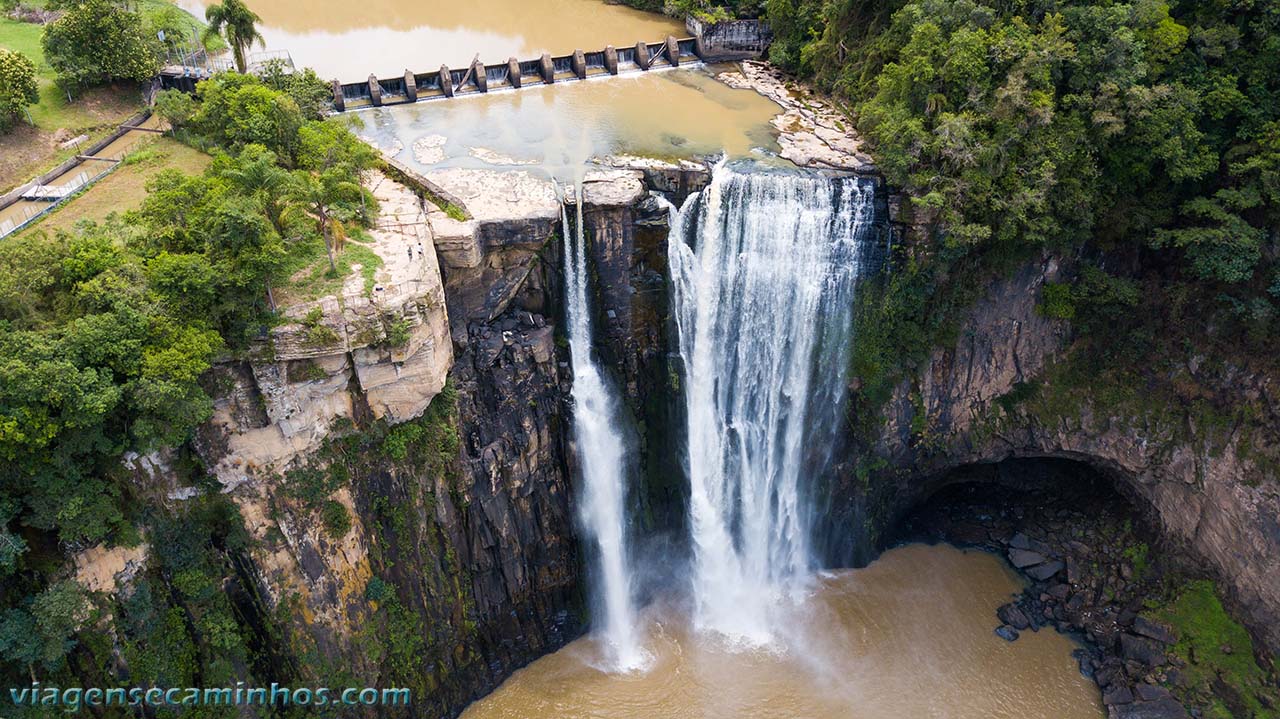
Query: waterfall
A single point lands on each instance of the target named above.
(601, 456)
(763, 305)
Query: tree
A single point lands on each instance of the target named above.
(238, 24)
(237, 110)
(257, 173)
(96, 41)
(313, 95)
(18, 87)
(176, 107)
(329, 198)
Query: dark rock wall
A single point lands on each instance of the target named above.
(1203, 491)
(635, 339)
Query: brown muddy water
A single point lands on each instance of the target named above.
(348, 40)
(669, 113)
(908, 637)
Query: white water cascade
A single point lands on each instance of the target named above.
(601, 455)
(764, 266)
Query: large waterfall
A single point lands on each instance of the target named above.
(601, 454)
(764, 266)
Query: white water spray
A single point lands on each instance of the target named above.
(601, 455)
(763, 304)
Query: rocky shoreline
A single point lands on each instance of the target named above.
(1093, 572)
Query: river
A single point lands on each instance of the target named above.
(908, 637)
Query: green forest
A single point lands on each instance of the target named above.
(105, 333)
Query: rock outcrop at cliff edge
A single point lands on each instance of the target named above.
(380, 347)
(1203, 489)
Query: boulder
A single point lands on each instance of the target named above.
(1147, 652)
(1042, 572)
(1151, 693)
(1117, 694)
(1023, 558)
(1012, 615)
(1007, 633)
(1163, 709)
(1152, 630)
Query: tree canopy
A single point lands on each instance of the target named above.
(106, 331)
(97, 41)
(18, 87)
(238, 25)
(1141, 136)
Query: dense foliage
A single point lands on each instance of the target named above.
(18, 87)
(105, 332)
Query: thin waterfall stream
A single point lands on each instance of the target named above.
(601, 454)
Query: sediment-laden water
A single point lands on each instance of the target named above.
(909, 636)
(668, 113)
(347, 40)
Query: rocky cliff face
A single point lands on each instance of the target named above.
(1208, 494)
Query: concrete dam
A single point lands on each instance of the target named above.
(722, 42)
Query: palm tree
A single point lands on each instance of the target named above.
(235, 21)
(256, 173)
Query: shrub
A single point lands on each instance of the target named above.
(18, 87)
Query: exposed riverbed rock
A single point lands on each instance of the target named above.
(812, 132)
(430, 149)
(677, 179)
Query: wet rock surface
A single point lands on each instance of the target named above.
(1091, 573)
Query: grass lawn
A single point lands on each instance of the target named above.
(309, 274)
(125, 188)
